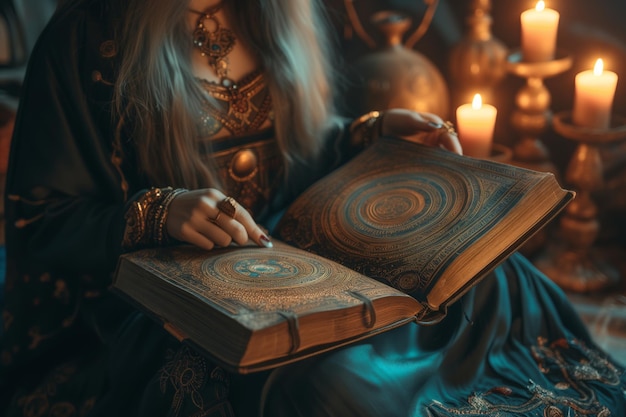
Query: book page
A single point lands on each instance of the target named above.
(405, 214)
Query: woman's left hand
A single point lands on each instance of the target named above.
(426, 128)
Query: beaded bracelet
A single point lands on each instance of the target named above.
(366, 129)
(162, 237)
(146, 218)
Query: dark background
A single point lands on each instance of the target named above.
(587, 30)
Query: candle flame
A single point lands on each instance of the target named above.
(598, 67)
(540, 6)
(477, 102)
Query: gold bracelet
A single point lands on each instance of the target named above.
(161, 236)
(138, 218)
(146, 217)
(366, 129)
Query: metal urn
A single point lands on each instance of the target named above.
(395, 75)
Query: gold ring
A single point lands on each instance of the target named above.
(228, 206)
(449, 126)
(214, 219)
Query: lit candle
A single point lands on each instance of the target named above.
(539, 30)
(475, 123)
(593, 101)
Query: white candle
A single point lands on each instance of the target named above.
(475, 123)
(539, 30)
(593, 101)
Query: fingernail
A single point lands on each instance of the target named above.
(265, 241)
(435, 125)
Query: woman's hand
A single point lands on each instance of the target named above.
(195, 217)
(426, 128)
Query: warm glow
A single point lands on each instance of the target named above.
(599, 67)
(475, 123)
(477, 102)
(540, 6)
(539, 32)
(593, 101)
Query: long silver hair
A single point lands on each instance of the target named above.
(156, 88)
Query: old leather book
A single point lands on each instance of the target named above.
(390, 238)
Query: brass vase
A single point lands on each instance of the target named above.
(478, 61)
(395, 75)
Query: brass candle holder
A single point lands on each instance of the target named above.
(573, 263)
(532, 115)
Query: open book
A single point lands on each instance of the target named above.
(392, 237)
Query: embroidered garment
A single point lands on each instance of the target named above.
(240, 108)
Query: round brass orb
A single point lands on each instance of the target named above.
(244, 165)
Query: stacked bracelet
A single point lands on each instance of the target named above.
(366, 129)
(146, 218)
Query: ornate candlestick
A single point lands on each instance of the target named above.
(533, 115)
(573, 264)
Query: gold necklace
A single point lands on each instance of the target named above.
(241, 108)
(214, 42)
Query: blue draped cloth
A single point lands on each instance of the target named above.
(513, 346)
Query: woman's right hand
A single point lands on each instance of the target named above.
(422, 127)
(195, 217)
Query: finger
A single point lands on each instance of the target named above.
(238, 223)
(403, 122)
(209, 206)
(442, 134)
(224, 231)
(433, 122)
(243, 230)
(200, 217)
(194, 237)
(226, 219)
(198, 230)
(232, 228)
(450, 141)
(253, 231)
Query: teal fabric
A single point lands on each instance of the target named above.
(513, 346)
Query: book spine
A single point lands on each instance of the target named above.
(429, 316)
